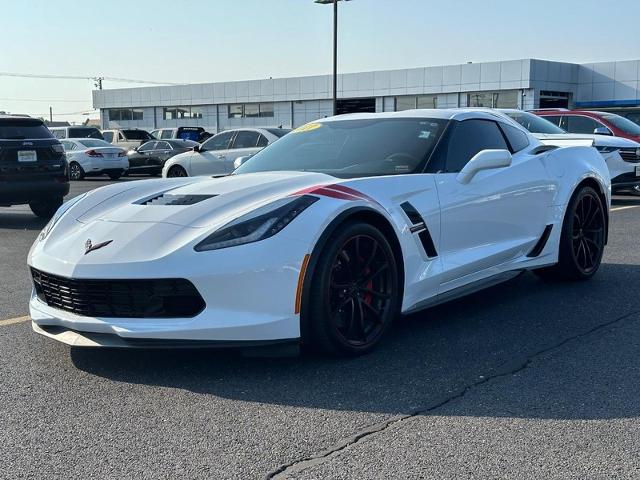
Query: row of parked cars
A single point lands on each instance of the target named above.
(36, 162)
(173, 152)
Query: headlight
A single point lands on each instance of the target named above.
(58, 215)
(262, 223)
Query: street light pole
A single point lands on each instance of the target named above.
(335, 50)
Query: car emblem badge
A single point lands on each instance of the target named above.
(90, 247)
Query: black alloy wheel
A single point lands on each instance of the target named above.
(588, 232)
(176, 171)
(582, 239)
(355, 296)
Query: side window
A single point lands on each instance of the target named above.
(163, 146)
(517, 138)
(553, 119)
(219, 142)
(580, 124)
(121, 137)
(262, 141)
(58, 134)
(245, 139)
(469, 138)
(68, 146)
(147, 147)
(108, 136)
(166, 134)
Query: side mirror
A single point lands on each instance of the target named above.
(602, 131)
(198, 148)
(484, 160)
(240, 160)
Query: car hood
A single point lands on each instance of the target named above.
(201, 202)
(146, 220)
(598, 140)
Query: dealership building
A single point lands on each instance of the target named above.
(291, 102)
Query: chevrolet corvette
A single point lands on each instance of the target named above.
(322, 238)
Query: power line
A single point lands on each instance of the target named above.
(41, 100)
(74, 77)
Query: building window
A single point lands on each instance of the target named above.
(427, 101)
(125, 114)
(250, 110)
(407, 102)
(179, 113)
(504, 99)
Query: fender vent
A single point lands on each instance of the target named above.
(540, 244)
(168, 199)
(419, 226)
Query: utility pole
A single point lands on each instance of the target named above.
(98, 82)
(51, 114)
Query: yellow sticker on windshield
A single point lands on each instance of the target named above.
(307, 128)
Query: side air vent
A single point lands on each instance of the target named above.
(168, 199)
(419, 226)
(539, 246)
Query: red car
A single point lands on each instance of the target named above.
(587, 121)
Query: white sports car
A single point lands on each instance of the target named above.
(321, 238)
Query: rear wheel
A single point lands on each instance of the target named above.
(582, 238)
(114, 175)
(177, 171)
(75, 171)
(46, 208)
(354, 295)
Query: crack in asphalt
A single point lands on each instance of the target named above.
(507, 368)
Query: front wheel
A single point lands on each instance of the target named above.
(176, 171)
(582, 238)
(354, 295)
(46, 208)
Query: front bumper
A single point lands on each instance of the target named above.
(249, 292)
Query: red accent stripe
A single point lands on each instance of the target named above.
(335, 191)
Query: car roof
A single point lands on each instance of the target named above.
(437, 113)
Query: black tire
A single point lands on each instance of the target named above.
(114, 175)
(354, 294)
(46, 208)
(582, 238)
(176, 171)
(76, 172)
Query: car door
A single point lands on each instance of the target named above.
(163, 151)
(211, 160)
(499, 215)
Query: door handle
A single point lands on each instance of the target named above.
(221, 157)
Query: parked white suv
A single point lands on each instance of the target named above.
(128, 138)
(217, 155)
(76, 131)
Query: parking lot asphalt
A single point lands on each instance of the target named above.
(525, 380)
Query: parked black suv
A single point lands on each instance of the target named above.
(33, 166)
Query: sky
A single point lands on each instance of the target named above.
(195, 41)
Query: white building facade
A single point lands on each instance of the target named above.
(291, 102)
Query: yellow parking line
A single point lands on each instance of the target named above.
(624, 208)
(11, 321)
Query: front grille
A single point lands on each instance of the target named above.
(629, 155)
(156, 298)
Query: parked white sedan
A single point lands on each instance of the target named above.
(93, 157)
(217, 155)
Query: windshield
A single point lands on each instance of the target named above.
(85, 133)
(624, 124)
(352, 148)
(137, 135)
(19, 129)
(534, 123)
(94, 143)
